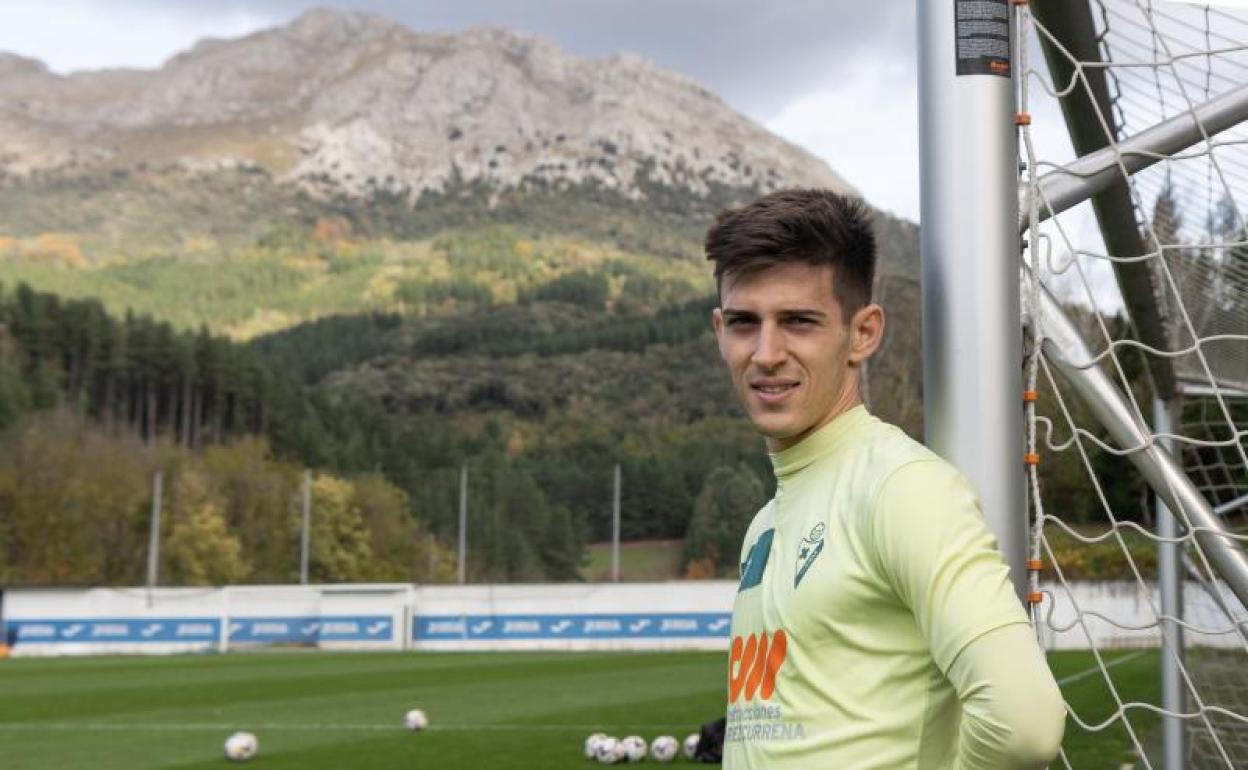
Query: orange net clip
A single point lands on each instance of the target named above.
(1019, 2)
(1035, 597)
(1030, 396)
(1031, 458)
(1035, 565)
(1022, 119)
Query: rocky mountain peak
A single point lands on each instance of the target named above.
(12, 64)
(353, 103)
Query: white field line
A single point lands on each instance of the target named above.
(12, 727)
(1087, 672)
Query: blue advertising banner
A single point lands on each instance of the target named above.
(312, 629)
(264, 630)
(104, 630)
(624, 626)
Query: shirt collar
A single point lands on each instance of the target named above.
(789, 462)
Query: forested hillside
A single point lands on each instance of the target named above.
(594, 360)
(538, 394)
(536, 356)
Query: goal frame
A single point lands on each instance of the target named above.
(972, 294)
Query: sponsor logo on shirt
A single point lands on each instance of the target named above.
(756, 561)
(809, 550)
(754, 663)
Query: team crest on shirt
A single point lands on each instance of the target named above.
(809, 550)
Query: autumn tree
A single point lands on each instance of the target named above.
(339, 549)
(721, 514)
(198, 547)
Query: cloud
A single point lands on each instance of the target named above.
(866, 127)
(758, 56)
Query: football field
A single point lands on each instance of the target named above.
(344, 710)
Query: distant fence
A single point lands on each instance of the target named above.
(564, 616)
(619, 616)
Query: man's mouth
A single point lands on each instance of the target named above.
(773, 391)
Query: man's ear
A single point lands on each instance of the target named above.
(717, 323)
(866, 332)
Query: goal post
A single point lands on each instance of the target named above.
(969, 245)
(1153, 99)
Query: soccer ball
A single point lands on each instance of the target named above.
(634, 748)
(241, 746)
(591, 745)
(415, 720)
(664, 748)
(608, 751)
(691, 745)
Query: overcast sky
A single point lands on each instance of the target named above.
(835, 76)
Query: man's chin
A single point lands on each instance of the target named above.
(775, 430)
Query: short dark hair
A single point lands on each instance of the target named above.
(814, 227)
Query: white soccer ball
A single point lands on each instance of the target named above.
(415, 720)
(664, 748)
(634, 748)
(591, 745)
(608, 751)
(691, 745)
(241, 746)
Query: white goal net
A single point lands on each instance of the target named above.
(1152, 276)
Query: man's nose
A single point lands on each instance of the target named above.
(770, 350)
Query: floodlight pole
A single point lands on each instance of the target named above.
(462, 570)
(304, 533)
(153, 543)
(972, 338)
(615, 527)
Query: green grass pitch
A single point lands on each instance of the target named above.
(344, 710)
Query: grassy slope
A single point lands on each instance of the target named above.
(264, 289)
(514, 710)
(244, 254)
(640, 560)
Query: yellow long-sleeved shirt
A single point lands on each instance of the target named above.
(875, 625)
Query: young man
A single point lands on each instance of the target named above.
(875, 625)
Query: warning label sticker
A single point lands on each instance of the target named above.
(983, 37)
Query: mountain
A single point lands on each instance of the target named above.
(344, 164)
(354, 103)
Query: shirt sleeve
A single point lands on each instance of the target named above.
(936, 553)
(1012, 710)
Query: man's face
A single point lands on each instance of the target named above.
(793, 359)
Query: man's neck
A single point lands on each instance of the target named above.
(848, 401)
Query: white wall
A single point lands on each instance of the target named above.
(564, 616)
(1123, 614)
(617, 616)
(136, 621)
(677, 615)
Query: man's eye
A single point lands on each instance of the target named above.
(799, 321)
(739, 321)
